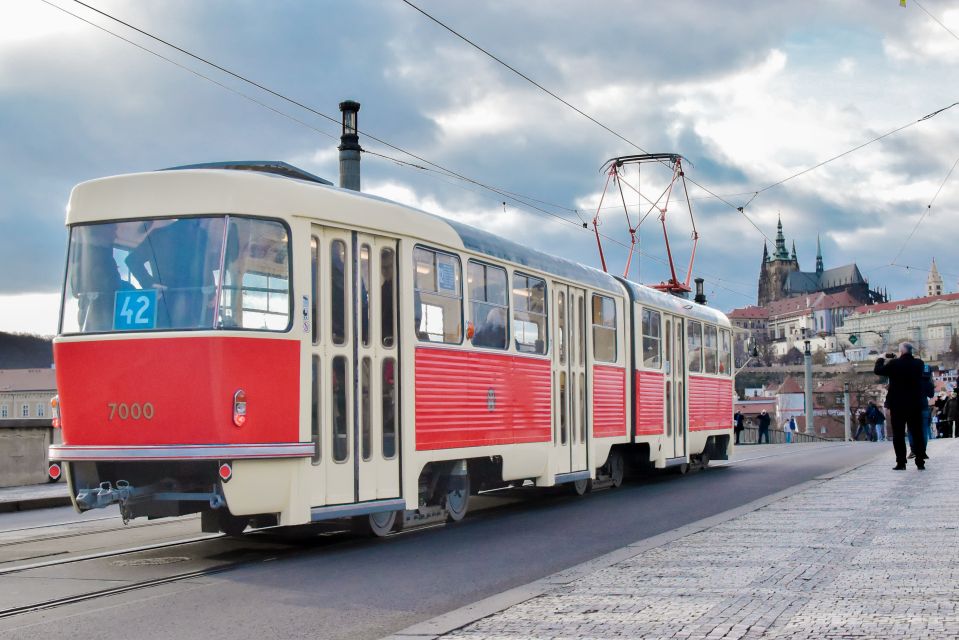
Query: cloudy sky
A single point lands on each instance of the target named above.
(749, 92)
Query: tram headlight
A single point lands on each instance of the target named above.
(239, 407)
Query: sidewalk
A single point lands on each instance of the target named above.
(34, 496)
(868, 553)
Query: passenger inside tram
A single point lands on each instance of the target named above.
(178, 259)
(97, 279)
(492, 331)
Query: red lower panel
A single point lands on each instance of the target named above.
(710, 403)
(471, 399)
(609, 401)
(168, 391)
(650, 403)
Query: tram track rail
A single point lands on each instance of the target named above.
(251, 555)
(78, 534)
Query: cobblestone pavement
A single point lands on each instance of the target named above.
(872, 553)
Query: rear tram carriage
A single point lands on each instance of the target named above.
(266, 349)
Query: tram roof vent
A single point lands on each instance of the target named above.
(275, 167)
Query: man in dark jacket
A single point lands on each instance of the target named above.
(906, 399)
(739, 426)
(763, 428)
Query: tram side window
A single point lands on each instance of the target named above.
(604, 329)
(488, 304)
(338, 275)
(652, 339)
(387, 296)
(314, 287)
(529, 314)
(438, 297)
(341, 434)
(389, 408)
(710, 349)
(694, 345)
(725, 353)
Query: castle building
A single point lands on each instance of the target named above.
(780, 277)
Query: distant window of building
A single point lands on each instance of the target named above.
(40, 410)
(4, 411)
(25, 411)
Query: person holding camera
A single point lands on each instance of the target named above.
(906, 398)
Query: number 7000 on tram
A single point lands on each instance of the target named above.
(265, 349)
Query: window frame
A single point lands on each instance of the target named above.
(462, 318)
(714, 349)
(644, 336)
(604, 327)
(546, 300)
(508, 293)
(291, 257)
(689, 346)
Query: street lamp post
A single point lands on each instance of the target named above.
(807, 358)
(847, 416)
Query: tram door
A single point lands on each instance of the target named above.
(356, 366)
(571, 410)
(675, 396)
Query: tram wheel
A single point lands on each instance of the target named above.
(379, 524)
(617, 468)
(582, 487)
(683, 468)
(457, 501)
(704, 460)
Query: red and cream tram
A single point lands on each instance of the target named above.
(266, 349)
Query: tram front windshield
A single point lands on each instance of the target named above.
(213, 272)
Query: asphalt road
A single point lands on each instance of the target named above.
(358, 588)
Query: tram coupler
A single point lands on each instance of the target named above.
(105, 495)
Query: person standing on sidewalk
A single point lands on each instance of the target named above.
(877, 420)
(906, 399)
(763, 427)
(738, 429)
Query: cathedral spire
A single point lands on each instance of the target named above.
(819, 267)
(795, 259)
(934, 281)
(765, 252)
(781, 253)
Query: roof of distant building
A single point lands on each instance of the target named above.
(28, 380)
(910, 302)
(790, 385)
(809, 281)
(751, 312)
(829, 386)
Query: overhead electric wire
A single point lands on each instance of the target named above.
(856, 148)
(926, 212)
(439, 169)
(937, 20)
(189, 70)
(573, 107)
(445, 170)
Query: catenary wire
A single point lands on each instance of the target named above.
(502, 192)
(926, 212)
(740, 209)
(520, 199)
(937, 20)
(192, 71)
(575, 108)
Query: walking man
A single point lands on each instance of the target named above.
(905, 399)
(738, 417)
(763, 427)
